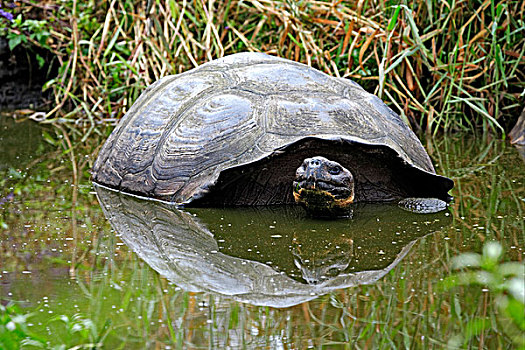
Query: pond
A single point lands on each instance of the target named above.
(94, 266)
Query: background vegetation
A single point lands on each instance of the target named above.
(443, 65)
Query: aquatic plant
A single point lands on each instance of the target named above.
(14, 332)
(504, 280)
(77, 331)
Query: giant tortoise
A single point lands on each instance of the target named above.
(253, 129)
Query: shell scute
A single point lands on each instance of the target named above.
(215, 132)
(130, 150)
(238, 115)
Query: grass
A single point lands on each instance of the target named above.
(443, 65)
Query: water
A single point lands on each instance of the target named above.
(147, 275)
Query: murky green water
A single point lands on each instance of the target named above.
(150, 276)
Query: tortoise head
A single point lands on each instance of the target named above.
(324, 187)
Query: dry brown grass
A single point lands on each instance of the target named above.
(441, 66)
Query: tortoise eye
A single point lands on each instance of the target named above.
(335, 170)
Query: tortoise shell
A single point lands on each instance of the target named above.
(234, 130)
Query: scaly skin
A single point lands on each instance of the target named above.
(324, 187)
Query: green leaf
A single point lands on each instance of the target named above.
(512, 269)
(475, 327)
(112, 42)
(492, 252)
(516, 312)
(393, 20)
(516, 287)
(48, 138)
(499, 61)
(14, 41)
(15, 174)
(40, 344)
(466, 260)
(40, 60)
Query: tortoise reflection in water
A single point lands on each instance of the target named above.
(249, 129)
(321, 262)
(272, 256)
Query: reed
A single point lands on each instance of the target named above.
(441, 65)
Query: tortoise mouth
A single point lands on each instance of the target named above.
(329, 189)
(323, 199)
(323, 203)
